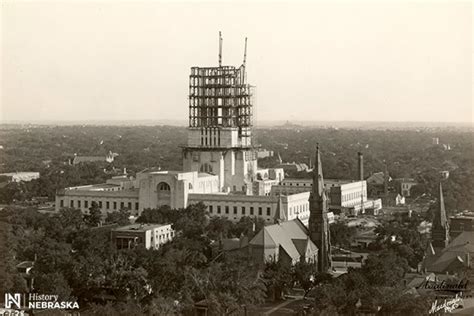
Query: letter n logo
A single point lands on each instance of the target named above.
(12, 299)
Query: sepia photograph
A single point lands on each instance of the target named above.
(236, 158)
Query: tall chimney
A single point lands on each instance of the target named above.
(361, 166)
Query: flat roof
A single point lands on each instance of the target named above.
(139, 227)
(131, 193)
(463, 216)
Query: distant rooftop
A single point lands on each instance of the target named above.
(94, 187)
(139, 227)
(465, 215)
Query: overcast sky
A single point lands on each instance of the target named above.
(391, 61)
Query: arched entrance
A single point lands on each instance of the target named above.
(164, 194)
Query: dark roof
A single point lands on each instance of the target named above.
(291, 236)
(456, 251)
(25, 264)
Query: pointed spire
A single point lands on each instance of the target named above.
(280, 213)
(440, 218)
(318, 222)
(318, 179)
(440, 228)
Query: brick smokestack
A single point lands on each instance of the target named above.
(361, 166)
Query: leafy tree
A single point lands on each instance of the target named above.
(306, 275)
(94, 217)
(248, 226)
(52, 283)
(164, 306)
(219, 227)
(341, 234)
(278, 278)
(116, 309)
(192, 221)
(162, 215)
(121, 217)
(384, 268)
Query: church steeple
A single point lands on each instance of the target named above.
(318, 220)
(440, 228)
(280, 212)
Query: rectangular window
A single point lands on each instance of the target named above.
(121, 205)
(136, 206)
(218, 209)
(115, 205)
(235, 209)
(210, 209)
(61, 203)
(129, 205)
(269, 211)
(243, 210)
(227, 210)
(71, 203)
(79, 204)
(100, 204)
(107, 205)
(251, 210)
(259, 211)
(86, 204)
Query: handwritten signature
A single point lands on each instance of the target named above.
(448, 305)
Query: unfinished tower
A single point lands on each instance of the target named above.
(220, 125)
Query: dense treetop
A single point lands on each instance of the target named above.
(408, 153)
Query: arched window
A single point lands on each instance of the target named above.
(163, 186)
(206, 168)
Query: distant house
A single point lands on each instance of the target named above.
(404, 186)
(364, 238)
(109, 158)
(377, 178)
(293, 167)
(21, 176)
(393, 199)
(149, 236)
(288, 242)
(460, 223)
(24, 269)
(264, 153)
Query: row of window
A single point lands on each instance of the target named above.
(351, 196)
(163, 237)
(235, 210)
(127, 242)
(108, 204)
(298, 184)
(302, 208)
